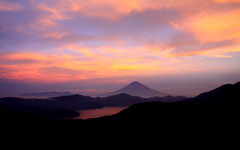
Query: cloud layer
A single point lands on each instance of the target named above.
(65, 40)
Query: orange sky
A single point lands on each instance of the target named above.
(73, 40)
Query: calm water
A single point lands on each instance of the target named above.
(95, 113)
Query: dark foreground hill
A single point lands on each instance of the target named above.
(210, 118)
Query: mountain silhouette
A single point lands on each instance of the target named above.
(209, 116)
(122, 100)
(136, 89)
(225, 94)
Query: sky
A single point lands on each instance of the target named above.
(92, 46)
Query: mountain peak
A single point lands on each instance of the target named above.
(136, 83)
(136, 88)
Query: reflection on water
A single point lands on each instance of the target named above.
(95, 113)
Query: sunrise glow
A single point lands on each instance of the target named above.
(75, 40)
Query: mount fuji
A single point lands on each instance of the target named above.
(136, 89)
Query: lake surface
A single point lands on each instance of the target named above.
(95, 113)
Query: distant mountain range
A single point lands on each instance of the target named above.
(78, 102)
(136, 89)
(222, 96)
(51, 101)
(47, 94)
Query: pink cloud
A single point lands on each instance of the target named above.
(8, 6)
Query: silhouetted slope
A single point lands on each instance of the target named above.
(226, 94)
(136, 89)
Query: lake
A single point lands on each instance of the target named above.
(95, 113)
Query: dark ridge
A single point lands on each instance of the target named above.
(47, 94)
(121, 100)
(79, 102)
(168, 99)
